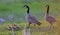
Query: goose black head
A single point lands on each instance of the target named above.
(26, 6)
(47, 5)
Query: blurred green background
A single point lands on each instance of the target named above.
(37, 8)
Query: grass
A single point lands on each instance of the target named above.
(37, 8)
(38, 30)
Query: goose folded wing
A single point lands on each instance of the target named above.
(33, 19)
(51, 19)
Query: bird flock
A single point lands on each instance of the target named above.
(32, 19)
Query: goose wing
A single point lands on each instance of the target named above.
(32, 19)
(51, 19)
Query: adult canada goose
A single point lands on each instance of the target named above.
(49, 18)
(31, 19)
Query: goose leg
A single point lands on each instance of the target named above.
(28, 25)
(51, 26)
(34, 24)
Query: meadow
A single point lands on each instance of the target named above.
(37, 8)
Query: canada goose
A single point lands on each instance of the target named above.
(31, 19)
(49, 18)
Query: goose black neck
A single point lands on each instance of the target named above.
(28, 10)
(48, 9)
